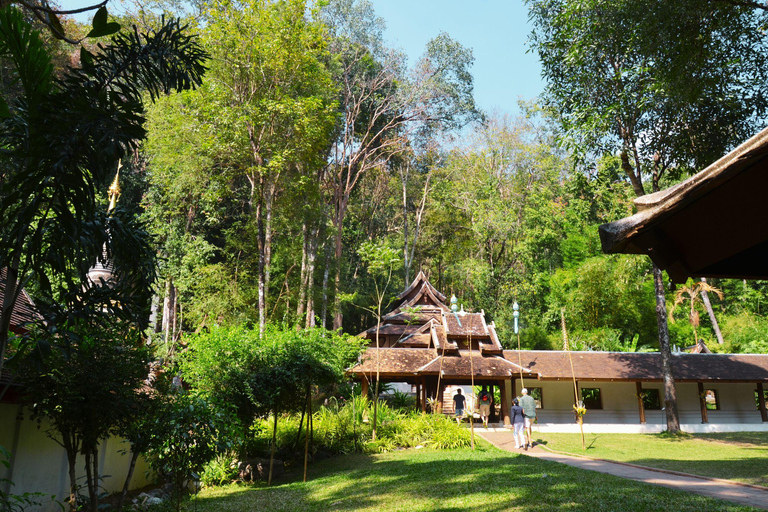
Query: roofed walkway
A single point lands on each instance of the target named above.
(744, 494)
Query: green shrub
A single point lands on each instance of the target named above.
(402, 401)
(744, 333)
(345, 426)
(219, 471)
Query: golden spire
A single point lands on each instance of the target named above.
(114, 189)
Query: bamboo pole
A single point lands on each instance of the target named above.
(578, 406)
(472, 379)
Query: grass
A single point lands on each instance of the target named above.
(485, 480)
(739, 456)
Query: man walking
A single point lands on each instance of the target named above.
(458, 404)
(529, 413)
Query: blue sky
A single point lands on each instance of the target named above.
(496, 30)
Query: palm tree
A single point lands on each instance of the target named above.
(693, 293)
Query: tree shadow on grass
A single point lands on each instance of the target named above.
(752, 470)
(483, 480)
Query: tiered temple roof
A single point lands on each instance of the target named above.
(421, 319)
(422, 337)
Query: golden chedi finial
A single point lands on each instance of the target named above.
(114, 189)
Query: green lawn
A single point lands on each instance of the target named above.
(424, 480)
(739, 456)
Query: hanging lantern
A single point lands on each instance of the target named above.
(516, 314)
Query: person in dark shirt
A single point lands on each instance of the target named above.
(458, 405)
(518, 423)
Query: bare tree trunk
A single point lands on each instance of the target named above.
(670, 393)
(711, 313)
(406, 259)
(262, 265)
(305, 234)
(337, 317)
(132, 466)
(306, 441)
(169, 312)
(272, 454)
(312, 256)
(326, 275)
(268, 202)
(92, 477)
(71, 447)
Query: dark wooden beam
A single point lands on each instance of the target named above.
(703, 403)
(761, 402)
(504, 402)
(640, 405)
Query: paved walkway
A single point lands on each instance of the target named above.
(743, 494)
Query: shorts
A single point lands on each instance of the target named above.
(485, 409)
(529, 421)
(459, 412)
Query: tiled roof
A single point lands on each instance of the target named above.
(556, 365)
(460, 364)
(394, 361)
(643, 366)
(419, 282)
(23, 310)
(465, 324)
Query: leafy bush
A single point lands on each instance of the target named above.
(400, 400)
(744, 333)
(343, 426)
(219, 471)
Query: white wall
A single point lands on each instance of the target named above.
(39, 464)
(737, 405)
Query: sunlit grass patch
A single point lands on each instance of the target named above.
(739, 456)
(486, 479)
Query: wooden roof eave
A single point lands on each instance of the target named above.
(669, 226)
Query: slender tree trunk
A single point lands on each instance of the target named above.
(306, 441)
(272, 454)
(261, 269)
(711, 313)
(305, 234)
(326, 275)
(131, 467)
(670, 393)
(314, 240)
(71, 448)
(301, 422)
(92, 477)
(337, 316)
(169, 312)
(406, 260)
(269, 201)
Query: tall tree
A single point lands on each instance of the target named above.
(383, 105)
(667, 85)
(62, 139)
(264, 115)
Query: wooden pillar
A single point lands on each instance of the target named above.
(761, 402)
(640, 406)
(492, 415)
(419, 401)
(504, 402)
(364, 386)
(423, 393)
(703, 403)
(576, 396)
(440, 393)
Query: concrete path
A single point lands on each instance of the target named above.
(743, 494)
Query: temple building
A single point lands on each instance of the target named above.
(434, 347)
